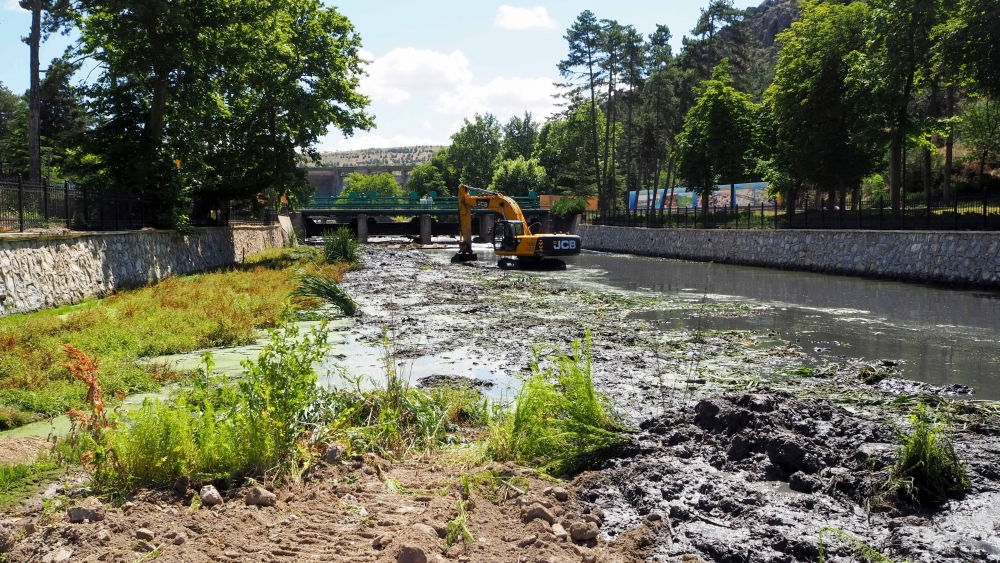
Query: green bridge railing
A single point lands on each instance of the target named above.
(413, 202)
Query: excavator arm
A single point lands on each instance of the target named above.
(471, 199)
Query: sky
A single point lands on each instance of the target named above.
(435, 62)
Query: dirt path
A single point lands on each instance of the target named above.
(737, 455)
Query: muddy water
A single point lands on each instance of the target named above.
(941, 336)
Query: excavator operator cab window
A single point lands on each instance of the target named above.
(505, 235)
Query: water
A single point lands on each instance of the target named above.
(941, 336)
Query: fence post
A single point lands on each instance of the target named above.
(86, 216)
(101, 203)
(20, 203)
(881, 205)
(985, 196)
(116, 196)
(955, 215)
(45, 199)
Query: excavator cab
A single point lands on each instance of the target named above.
(505, 235)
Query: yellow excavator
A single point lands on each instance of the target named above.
(513, 240)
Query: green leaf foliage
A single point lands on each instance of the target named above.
(383, 185)
(518, 177)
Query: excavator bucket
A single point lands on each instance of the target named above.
(463, 257)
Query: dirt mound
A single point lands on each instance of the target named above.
(756, 477)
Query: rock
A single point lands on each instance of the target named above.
(539, 512)
(589, 557)
(584, 531)
(380, 542)
(527, 540)
(180, 539)
(560, 493)
(654, 517)
(104, 536)
(259, 496)
(804, 483)
(90, 509)
(333, 454)
(144, 534)
(593, 518)
(210, 496)
(181, 485)
(559, 532)
(426, 530)
(411, 554)
(691, 557)
(6, 540)
(60, 556)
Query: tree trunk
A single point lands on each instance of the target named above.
(34, 96)
(154, 125)
(601, 198)
(928, 172)
(895, 182)
(608, 119)
(949, 147)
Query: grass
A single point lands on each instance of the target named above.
(222, 429)
(167, 318)
(458, 529)
(863, 551)
(325, 287)
(927, 469)
(560, 423)
(19, 475)
(341, 246)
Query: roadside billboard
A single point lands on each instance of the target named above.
(753, 193)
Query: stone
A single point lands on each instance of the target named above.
(59, 556)
(527, 540)
(411, 554)
(589, 557)
(593, 518)
(259, 496)
(333, 454)
(804, 483)
(210, 496)
(90, 509)
(691, 558)
(539, 512)
(104, 536)
(425, 530)
(561, 494)
(584, 531)
(144, 534)
(382, 541)
(180, 539)
(559, 532)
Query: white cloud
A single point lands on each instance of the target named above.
(403, 72)
(504, 97)
(13, 6)
(371, 141)
(509, 17)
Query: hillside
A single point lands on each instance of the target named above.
(396, 156)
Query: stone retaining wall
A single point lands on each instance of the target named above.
(966, 258)
(39, 272)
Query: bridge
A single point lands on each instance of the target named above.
(372, 215)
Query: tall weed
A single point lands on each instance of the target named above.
(927, 471)
(323, 287)
(560, 423)
(341, 246)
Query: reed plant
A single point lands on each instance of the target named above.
(927, 469)
(341, 245)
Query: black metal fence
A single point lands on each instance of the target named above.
(964, 212)
(25, 206)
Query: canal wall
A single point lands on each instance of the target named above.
(963, 258)
(40, 272)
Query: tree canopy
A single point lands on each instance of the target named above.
(383, 185)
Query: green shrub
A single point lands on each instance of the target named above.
(220, 429)
(325, 288)
(567, 207)
(927, 470)
(341, 246)
(560, 422)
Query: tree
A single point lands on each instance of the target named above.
(820, 133)
(10, 106)
(980, 130)
(519, 137)
(237, 91)
(899, 36)
(446, 168)
(518, 177)
(584, 63)
(564, 149)
(425, 179)
(383, 185)
(718, 135)
(475, 148)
